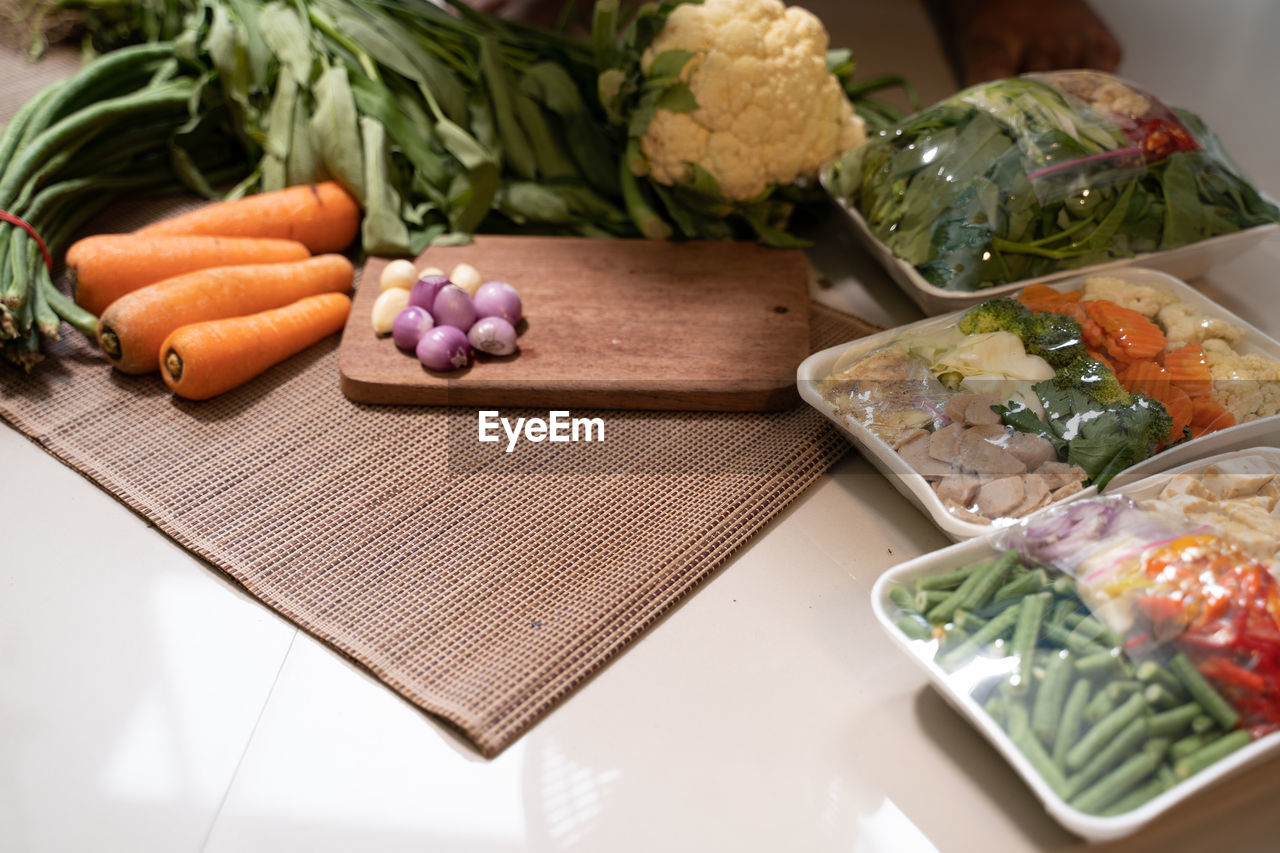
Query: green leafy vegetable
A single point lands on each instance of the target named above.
(1024, 177)
(1103, 439)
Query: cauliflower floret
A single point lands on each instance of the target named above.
(1146, 299)
(769, 111)
(1247, 385)
(1185, 325)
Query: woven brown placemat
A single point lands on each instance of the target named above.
(480, 585)
(483, 586)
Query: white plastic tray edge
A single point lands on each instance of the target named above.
(1091, 827)
(915, 488)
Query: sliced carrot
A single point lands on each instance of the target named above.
(1043, 294)
(1180, 408)
(132, 328)
(1188, 368)
(105, 267)
(202, 360)
(1130, 336)
(323, 217)
(1144, 377)
(1207, 410)
(1222, 421)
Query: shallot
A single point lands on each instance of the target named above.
(453, 307)
(444, 348)
(423, 293)
(498, 299)
(493, 335)
(409, 327)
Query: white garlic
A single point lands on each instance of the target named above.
(389, 303)
(467, 277)
(398, 274)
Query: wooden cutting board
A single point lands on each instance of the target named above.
(616, 324)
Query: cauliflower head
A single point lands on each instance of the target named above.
(1146, 299)
(769, 111)
(1248, 385)
(1185, 325)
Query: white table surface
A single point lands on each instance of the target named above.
(157, 707)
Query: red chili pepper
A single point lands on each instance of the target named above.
(1221, 669)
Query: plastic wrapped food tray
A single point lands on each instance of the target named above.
(1091, 826)
(912, 485)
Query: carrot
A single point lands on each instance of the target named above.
(1208, 414)
(1180, 408)
(1043, 294)
(132, 328)
(1129, 335)
(1188, 368)
(202, 360)
(1145, 377)
(105, 267)
(323, 217)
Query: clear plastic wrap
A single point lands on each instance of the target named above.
(1023, 177)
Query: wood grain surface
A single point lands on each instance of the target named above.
(613, 324)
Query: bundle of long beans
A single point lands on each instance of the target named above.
(70, 151)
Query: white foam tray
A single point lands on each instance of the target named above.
(1186, 262)
(1091, 827)
(822, 364)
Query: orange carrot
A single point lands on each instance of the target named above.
(1145, 377)
(1130, 336)
(202, 360)
(1188, 368)
(1180, 409)
(1043, 294)
(132, 328)
(323, 217)
(1208, 415)
(105, 267)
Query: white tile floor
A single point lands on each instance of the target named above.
(159, 708)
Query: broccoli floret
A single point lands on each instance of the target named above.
(1157, 423)
(1090, 376)
(1001, 314)
(1054, 337)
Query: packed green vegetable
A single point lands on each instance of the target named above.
(1105, 733)
(1023, 177)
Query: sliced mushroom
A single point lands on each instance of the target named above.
(915, 452)
(982, 457)
(1058, 475)
(944, 444)
(1066, 491)
(1033, 450)
(964, 514)
(978, 410)
(959, 488)
(1000, 497)
(1037, 496)
(957, 405)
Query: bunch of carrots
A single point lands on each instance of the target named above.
(1138, 353)
(214, 297)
